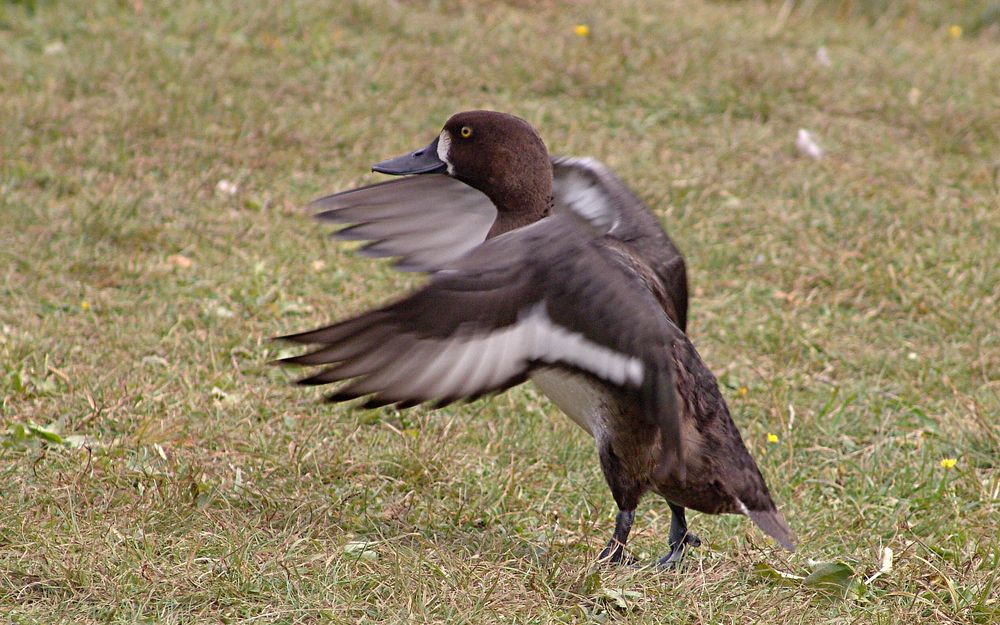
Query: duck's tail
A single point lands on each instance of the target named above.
(773, 524)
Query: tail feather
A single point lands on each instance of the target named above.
(773, 524)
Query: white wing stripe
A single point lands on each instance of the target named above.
(468, 365)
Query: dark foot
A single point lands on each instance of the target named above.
(616, 554)
(680, 539)
(677, 551)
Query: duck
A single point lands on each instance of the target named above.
(548, 269)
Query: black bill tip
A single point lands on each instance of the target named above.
(423, 161)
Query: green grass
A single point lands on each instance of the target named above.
(182, 479)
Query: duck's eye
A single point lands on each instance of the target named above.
(466, 132)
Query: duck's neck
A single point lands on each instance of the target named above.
(521, 207)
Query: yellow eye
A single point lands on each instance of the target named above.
(466, 132)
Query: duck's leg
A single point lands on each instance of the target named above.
(679, 539)
(626, 493)
(615, 552)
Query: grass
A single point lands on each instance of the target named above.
(153, 468)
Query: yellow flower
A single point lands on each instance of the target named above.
(955, 31)
(743, 391)
(85, 305)
(772, 438)
(948, 463)
(581, 30)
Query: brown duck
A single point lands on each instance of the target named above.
(549, 270)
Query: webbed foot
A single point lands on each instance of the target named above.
(680, 539)
(677, 551)
(616, 554)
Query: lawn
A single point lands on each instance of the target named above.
(155, 158)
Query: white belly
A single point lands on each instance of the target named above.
(575, 395)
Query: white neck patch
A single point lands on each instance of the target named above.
(444, 146)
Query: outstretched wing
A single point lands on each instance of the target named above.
(546, 295)
(425, 221)
(588, 188)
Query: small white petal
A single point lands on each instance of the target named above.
(221, 311)
(807, 145)
(823, 57)
(226, 187)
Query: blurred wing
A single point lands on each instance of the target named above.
(587, 188)
(541, 296)
(425, 221)
(428, 221)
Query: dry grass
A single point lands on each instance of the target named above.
(855, 299)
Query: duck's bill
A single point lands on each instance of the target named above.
(423, 161)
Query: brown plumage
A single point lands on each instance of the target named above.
(577, 288)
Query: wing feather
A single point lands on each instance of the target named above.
(543, 295)
(589, 189)
(426, 221)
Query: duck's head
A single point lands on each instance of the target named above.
(496, 153)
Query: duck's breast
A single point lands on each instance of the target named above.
(584, 400)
